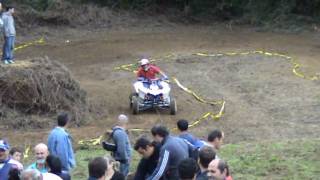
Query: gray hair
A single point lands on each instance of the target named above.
(122, 119)
(31, 174)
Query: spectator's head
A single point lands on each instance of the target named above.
(144, 147)
(215, 138)
(4, 150)
(62, 119)
(159, 133)
(14, 174)
(10, 9)
(54, 164)
(187, 169)
(206, 155)
(31, 174)
(123, 120)
(97, 168)
(182, 125)
(41, 153)
(218, 169)
(112, 165)
(15, 153)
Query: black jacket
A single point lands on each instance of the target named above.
(147, 166)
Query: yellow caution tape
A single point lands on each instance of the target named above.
(25, 45)
(295, 65)
(138, 130)
(133, 67)
(22, 46)
(195, 95)
(26, 152)
(94, 141)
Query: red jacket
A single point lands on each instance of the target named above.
(150, 74)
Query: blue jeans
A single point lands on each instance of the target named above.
(8, 47)
(124, 168)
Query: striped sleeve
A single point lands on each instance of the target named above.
(161, 167)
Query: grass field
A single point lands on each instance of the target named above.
(292, 159)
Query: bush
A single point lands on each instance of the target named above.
(40, 87)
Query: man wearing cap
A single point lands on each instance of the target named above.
(60, 145)
(123, 147)
(5, 161)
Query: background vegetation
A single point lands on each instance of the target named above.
(246, 11)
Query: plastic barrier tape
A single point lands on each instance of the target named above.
(295, 69)
(133, 67)
(94, 142)
(26, 152)
(25, 45)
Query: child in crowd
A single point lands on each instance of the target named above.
(16, 154)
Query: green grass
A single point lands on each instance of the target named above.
(86, 153)
(294, 159)
(83, 157)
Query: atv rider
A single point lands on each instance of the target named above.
(149, 71)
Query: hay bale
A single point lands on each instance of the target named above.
(39, 87)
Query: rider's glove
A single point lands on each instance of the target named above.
(164, 78)
(140, 78)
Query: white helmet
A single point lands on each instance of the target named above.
(144, 62)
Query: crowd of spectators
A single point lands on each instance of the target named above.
(163, 156)
(166, 156)
(51, 163)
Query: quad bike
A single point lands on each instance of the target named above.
(152, 94)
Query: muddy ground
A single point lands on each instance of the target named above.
(264, 99)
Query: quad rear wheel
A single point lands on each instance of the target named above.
(173, 106)
(130, 98)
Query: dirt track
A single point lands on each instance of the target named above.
(264, 99)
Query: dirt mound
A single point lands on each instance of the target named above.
(39, 87)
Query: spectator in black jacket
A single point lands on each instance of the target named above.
(150, 157)
(188, 169)
(55, 167)
(172, 152)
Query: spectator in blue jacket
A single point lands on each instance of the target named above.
(60, 144)
(172, 152)
(5, 161)
(183, 126)
(122, 142)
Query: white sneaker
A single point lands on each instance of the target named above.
(6, 62)
(11, 62)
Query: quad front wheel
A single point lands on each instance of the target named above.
(135, 105)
